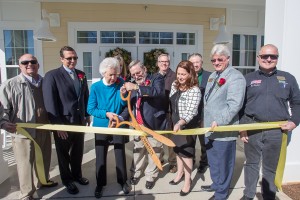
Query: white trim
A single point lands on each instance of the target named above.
(19, 25)
(77, 26)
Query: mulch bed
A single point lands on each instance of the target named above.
(292, 190)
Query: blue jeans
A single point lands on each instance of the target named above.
(221, 160)
(262, 149)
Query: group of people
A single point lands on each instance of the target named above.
(188, 98)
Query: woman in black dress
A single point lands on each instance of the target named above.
(185, 97)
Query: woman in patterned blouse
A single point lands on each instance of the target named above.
(185, 97)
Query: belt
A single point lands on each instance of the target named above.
(254, 118)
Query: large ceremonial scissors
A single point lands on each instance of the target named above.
(144, 139)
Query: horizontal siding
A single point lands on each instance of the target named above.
(90, 12)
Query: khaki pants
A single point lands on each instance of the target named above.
(25, 158)
(141, 157)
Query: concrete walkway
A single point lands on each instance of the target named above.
(161, 191)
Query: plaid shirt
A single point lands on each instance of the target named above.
(188, 102)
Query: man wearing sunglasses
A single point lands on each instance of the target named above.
(22, 101)
(268, 94)
(66, 94)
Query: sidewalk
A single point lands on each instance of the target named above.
(161, 191)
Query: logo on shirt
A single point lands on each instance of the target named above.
(282, 81)
(255, 83)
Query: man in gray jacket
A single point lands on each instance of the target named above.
(22, 102)
(223, 99)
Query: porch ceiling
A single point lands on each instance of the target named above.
(198, 3)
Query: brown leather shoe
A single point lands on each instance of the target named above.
(173, 169)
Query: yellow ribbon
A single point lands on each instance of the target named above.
(121, 131)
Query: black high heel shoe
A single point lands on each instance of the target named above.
(172, 182)
(186, 193)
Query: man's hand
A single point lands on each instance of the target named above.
(123, 90)
(289, 126)
(62, 134)
(213, 125)
(130, 86)
(244, 136)
(9, 127)
(87, 121)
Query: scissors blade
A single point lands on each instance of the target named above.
(158, 137)
(151, 152)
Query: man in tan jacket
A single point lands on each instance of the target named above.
(22, 101)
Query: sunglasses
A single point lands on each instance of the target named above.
(71, 58)
(266, 56)
(26, 62)
(219, 60)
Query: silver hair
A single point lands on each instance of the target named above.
(221, 50)
(164, 54)
(108, 63)
(136, 62)
(195, 55)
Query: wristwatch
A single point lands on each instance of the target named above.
(137, 87)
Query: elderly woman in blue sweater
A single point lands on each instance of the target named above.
(105, 102)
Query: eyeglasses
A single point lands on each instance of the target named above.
(219, 60)
(26, 62)
(71, 58)
(164, 61)
(266, 56)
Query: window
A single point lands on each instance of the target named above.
(149, 37)
(117, 37)
(87, 66)
(185, 38)
(155, 37)
(244, 52)
(16, 43)
(86, 36)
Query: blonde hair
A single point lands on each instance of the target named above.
(124, 70)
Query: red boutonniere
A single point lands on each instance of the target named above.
(147, 82)
(118, 81)
(221, 81)
(81, 76)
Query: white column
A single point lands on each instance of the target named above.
(282, 28)
(3, 163)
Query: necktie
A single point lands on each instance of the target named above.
(139, 118)
(75, 81)
(72, 75)
(212, 87)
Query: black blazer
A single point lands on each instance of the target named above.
(152, 104)
(60, 98)
(202, 86)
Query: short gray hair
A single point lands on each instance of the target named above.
(164, 54)
(108, 63)
(221, 50)
(136, 62)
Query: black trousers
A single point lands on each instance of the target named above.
(101, 148)
(69, 155)
(203, 158)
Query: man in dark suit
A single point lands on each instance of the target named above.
(163, 63)
(65, 92)
(147, 98)
(196, 59)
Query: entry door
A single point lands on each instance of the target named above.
(183, 52)
(144, 49)
(88, 61)
(131, 49)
